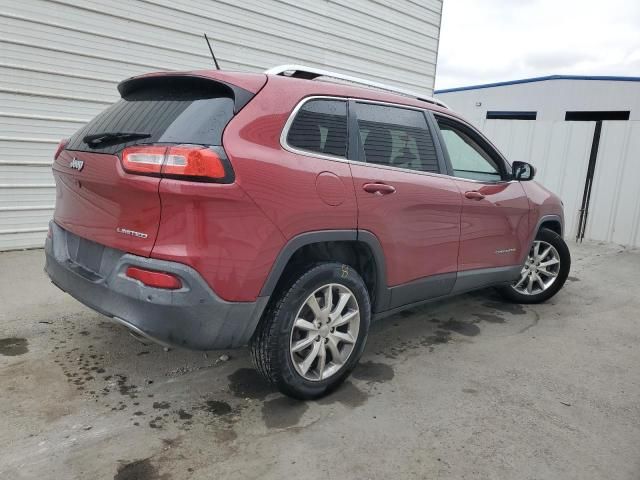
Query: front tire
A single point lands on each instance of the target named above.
(544, 272)
(314, 331)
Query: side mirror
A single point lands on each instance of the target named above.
(523, 171)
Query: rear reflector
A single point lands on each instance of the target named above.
(195, 162)
(155, 279)
(61, 146)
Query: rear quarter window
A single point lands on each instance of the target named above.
(320, 126)
(190, 111)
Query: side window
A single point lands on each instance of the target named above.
(320, 126)
(468, 159)
(397, 137)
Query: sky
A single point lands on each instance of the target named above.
(484, 41)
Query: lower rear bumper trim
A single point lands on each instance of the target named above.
(192, 317)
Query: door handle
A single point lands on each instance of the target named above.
(378, 188)
(474, 195)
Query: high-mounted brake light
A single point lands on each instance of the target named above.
(61, 146)
(155, 279)
(176, 161)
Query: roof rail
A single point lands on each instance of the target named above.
(310, 73)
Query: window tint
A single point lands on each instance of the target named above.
(398, 137)
(320, 126)
(467, 158)
(169, 111)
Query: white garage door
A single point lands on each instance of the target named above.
(60, 61)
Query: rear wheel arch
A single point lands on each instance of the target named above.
(360, 250)
(288, 345)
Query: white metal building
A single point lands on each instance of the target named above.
(583, 135)
(60, 61)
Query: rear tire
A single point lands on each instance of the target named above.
(313, 332)
(544, 272)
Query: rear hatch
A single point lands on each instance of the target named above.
(97, 198)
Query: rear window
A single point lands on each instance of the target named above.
(321, 127)
(193, 111)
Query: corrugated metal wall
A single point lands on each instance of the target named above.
(614, 211)
(560, 151)
(551, 99)
(60, 61)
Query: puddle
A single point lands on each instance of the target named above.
(512, 308)
(489, 317)
(12, 347)
(347, 394)
(283, 412)
(247, 383)
(139, 470)
(216, 407)
(183, 415)
(373, 372)
(463, 328)
(157, 422)
(124, 389)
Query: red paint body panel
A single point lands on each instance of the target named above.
(219, 231)
(102, 197)
(542, 202)
(282, 183)
(418, 225)
(497, 222)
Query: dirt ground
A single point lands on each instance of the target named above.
(465, 388)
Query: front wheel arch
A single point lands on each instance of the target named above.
(549, 236)
(553, 225)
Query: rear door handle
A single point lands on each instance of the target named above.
(378, 188)
(474, 195)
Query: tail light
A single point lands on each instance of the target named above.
(143, 159)
(61, 146)
(182, 161)
(153, 278)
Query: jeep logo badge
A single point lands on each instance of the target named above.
(76, 164)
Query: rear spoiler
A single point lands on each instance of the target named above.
(240, 96)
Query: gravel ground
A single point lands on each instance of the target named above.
(465, 388)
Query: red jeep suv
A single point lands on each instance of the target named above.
(286, 211)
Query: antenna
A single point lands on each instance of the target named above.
(212, 54)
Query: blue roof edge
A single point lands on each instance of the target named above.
(539, 79)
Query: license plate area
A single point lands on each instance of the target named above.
(84, 255)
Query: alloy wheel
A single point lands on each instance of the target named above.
(324, 332)
(540, 269)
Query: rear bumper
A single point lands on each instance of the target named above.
(192, 317)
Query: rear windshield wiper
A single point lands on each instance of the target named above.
(108, 137)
